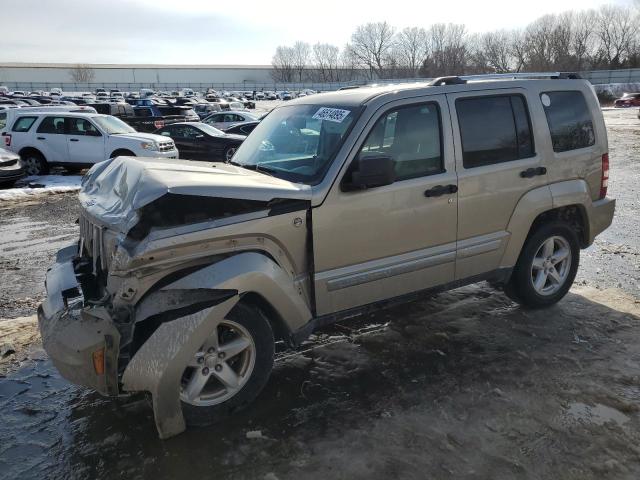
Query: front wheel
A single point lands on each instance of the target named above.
(34, 164)
(229, 152)
(546, 268)
(230, 368)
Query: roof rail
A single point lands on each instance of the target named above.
(450, 80)
(527, 75)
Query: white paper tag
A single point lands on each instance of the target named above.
(331, 114)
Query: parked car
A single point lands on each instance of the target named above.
(271, 96)
(78, 140)
(151, 117)
(56, 91)
(18, 93)
(102, 96)
(226, 119)
(224, 105)
(286, 96)
(183, 288)
(10, 168)
(4, 91)
(244, 128)
(205, 109)
(120, 110)
(199, 141)
(628, 100)
(8, 116)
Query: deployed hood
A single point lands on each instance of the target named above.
(113, 192)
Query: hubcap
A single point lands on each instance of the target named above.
(221, 367)
(31, 165)
(230, 153)
(551, 265)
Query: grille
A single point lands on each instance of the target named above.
(165, 147)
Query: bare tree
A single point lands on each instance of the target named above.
(447, 50)
(283, 64)
(497, 52)
(410, 48)
(371, 45)
(301, 55)
(82, 73)
(616, 28)
(583, 40)
(325, 61)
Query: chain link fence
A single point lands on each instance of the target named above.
(596, 77)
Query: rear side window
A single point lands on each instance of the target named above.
(3, 119)
(52, 125)
(412, 137)
(569, 120)
(494, 129)
(23, 124)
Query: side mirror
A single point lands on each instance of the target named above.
(372, 171)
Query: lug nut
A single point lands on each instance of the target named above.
(205, 371)
(211, 350)
(200, 359)
(218, 367)
(221, 355)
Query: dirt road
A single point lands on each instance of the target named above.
(461, 385)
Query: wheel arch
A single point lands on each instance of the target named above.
(122, 152)
(27, 150)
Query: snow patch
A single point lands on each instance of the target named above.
(42, 185)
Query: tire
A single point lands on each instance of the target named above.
(549, 280)
(34, 163)
(9, 184)
(202, 411)
(229, 152)
(122, 153)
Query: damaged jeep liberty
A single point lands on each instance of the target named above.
(187, 273)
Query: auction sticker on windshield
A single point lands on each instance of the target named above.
(331, 114)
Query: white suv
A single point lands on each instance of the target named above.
(78, 140)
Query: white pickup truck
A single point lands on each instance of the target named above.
(78, 140)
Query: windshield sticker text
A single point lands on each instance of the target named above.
(331, 114)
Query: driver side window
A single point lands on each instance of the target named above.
(411, 136)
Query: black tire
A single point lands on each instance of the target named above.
(520, 287)
(228, 155)
(9, 184)
(122, 153)
(257, 324)
(34, 163)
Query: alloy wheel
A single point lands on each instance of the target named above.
(551, 265)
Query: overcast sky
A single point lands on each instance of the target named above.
(213, 32)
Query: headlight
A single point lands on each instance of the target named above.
(149, 145)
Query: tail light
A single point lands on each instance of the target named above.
(604, 182)
(7, 140)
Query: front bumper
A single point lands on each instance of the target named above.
(11, 174)
(156, 154)
(82, 341)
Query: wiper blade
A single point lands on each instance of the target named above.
(255, 167)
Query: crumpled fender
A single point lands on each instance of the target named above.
(158, 365)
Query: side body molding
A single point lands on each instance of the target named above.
(158, 365)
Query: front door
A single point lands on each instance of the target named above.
(85, 142)
(379, 243)
(497, 164)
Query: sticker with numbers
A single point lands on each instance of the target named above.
(331, 114)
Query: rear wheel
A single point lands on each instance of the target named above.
(546, 268)
(34, 163)
(230, 368)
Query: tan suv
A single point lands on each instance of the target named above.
(186, 273)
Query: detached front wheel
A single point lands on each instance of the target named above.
(546, 268)
(230, 369)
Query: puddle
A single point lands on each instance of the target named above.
(597, 414)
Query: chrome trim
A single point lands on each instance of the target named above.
(479, 245)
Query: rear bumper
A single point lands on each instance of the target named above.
(600, 217)
(78, 339)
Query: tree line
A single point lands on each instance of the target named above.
(606, 38)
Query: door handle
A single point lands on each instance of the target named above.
(74, 140)
(41, 138)
(532, 172)
(439, 190)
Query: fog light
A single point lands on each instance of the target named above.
(98, 361)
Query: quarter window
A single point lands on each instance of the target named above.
(23, 124)
(3, 119)
(412, 137)
(52, 125)
(569, 120)
(494, 129)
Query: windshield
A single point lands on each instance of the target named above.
(210, 130)
(113, 125)
(297, 142)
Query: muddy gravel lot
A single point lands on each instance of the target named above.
(460, 385)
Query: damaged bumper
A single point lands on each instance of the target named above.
(82, 342)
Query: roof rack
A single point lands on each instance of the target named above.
(458, 80)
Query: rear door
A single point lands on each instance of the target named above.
(497, 164)
(51, 139)
(85, 142)
(379, 243)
